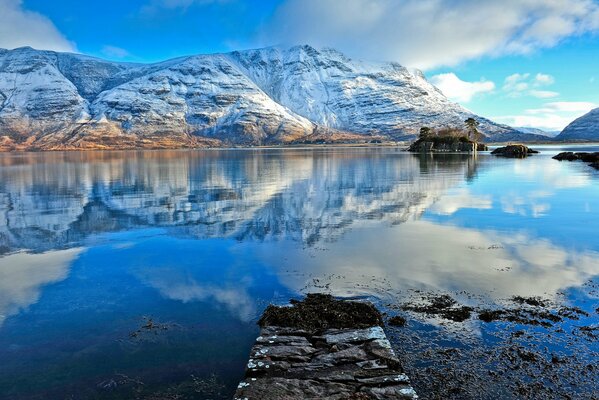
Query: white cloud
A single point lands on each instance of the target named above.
(543, 79)
(429, 33)
(517, 85)
(543, 94)
(513, 80)
(114, 52)
(459, 90)
(571, 106)
(553, 116)
(19, 27)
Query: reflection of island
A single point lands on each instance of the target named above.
(50, 201)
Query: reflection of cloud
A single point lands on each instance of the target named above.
(23, 275)
(512, 203)
(553, 174)
(177, 284)
(446, 258)
(458, 199)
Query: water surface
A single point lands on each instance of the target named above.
(120, 269)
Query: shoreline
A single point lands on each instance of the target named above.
(402, 145)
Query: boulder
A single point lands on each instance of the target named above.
(588, 157)
(566, 155)
(514, 151)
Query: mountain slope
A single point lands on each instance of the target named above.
(583, 128)
(52, 100)
(334, 91)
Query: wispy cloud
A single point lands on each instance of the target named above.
(429, 33)
(20, 27)
(154, 6)
(114, 52)
(564, 106)
(459, 90)
(543, 94)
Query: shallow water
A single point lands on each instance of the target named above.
(142, 270)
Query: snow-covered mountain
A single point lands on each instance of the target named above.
(52, 100)
(583, 128)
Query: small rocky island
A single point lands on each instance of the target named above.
(449, 140)
(514, 151)
(591, 158)
(323, 348)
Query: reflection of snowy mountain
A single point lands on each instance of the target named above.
(56, 200)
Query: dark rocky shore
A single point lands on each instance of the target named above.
(528, 347)
(591, 158)
(323, 348)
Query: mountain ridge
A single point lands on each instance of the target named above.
(63, 101)
(584, 128)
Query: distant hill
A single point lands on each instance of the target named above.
(52, 101)
(537, 131)
(585, 128)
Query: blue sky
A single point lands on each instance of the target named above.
(520, 62)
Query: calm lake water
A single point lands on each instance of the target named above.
(123, 270)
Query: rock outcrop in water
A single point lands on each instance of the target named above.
(591, 158)
(514, 151)
(54, 101)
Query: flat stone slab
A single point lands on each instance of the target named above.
(348, 364)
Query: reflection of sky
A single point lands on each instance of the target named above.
(423, 254)
(548, 199)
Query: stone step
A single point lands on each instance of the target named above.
(335, 363)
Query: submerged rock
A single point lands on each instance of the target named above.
(514, 151)
(566, 155)
(398, 320)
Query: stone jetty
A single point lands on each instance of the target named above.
(323, 348)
